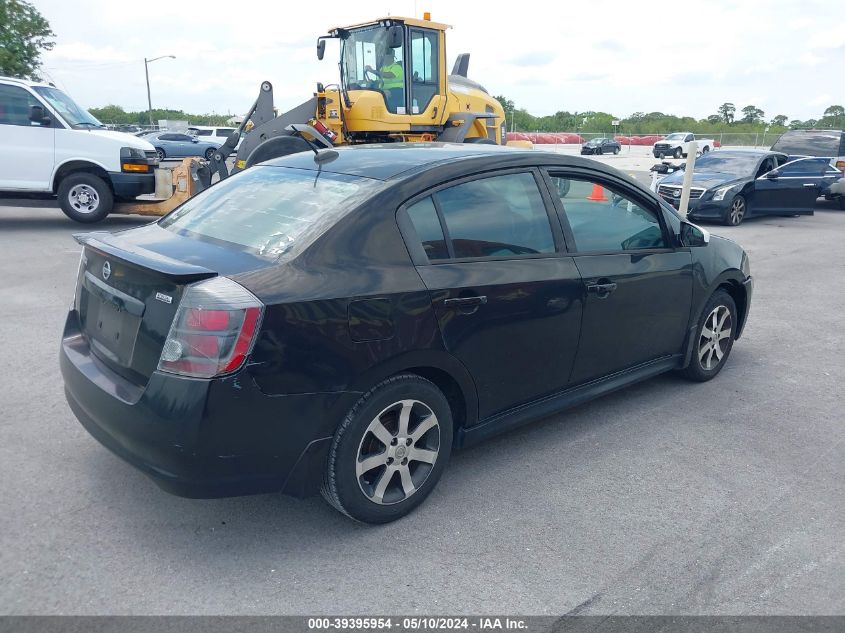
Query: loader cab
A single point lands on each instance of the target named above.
(395, 64)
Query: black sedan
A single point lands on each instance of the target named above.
(601, 146)
(343, 324)
(730, 185)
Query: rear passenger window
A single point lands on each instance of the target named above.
(427, 225)
(603, 220)
(496, 217)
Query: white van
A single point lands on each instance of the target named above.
(50, 146)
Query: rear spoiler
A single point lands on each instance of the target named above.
(110, 244)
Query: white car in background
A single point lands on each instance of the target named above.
(676, 145)
(211, 134)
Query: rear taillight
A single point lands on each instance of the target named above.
(213, 331)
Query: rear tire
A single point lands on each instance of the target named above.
(85, 197)
(161, 153)
(390, 451)
(705, 150)
(714, 339)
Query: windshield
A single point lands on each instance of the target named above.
(64, 105)
(368, 63)
(727, 163)
(270, 210)
(811, 143)
(676, 137)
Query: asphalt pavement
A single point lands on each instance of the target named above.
(664, 498)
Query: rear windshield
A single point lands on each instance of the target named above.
(268, 210)
(810, 143)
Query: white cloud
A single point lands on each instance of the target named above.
(602, 55)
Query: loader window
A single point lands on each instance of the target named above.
(368, 63)
(425, 60)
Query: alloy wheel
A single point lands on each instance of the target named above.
(84, 198)
(737, 211)
(715, 337)
(397, 452)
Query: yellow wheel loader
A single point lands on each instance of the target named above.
(393, 87)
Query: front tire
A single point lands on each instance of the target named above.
(161, 153)
(678, 153)
(209, 153)
(615, 151)
(390, 451)
(736, 212)
(714, 339)
(85, 197)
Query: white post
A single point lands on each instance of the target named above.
(692, 150)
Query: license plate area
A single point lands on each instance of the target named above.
(111, 320)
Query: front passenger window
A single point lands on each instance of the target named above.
(603, 220)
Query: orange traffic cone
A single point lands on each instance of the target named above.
(597, 194)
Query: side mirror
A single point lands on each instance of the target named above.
(321, 48)
(36, 115)
(395, 36)
(693, 236)
(774, 174)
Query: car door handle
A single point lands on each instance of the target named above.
(465, 302)
(602, 290)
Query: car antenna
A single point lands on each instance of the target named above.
(321, 156)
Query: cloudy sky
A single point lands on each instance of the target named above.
(682, 57)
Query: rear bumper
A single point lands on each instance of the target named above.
(127, 185)
(202, 438)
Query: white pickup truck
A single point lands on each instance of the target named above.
(676, 144)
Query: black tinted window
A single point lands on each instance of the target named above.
(603, 220)
(810, 143)
(427, 225)
(495, 217)
(806, 166)
(14, 106)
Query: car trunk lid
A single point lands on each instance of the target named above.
(129, 288)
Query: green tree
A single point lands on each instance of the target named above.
(24, 35)
(726, 111)
(714, 119)
(780, 120)
(752, 114)
(835, 111)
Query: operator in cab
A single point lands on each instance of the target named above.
(393, 80)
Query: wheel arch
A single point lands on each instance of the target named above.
(442, 369)
(76, 166)
(738, 293)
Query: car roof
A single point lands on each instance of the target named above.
(399, 160)
(25, 82)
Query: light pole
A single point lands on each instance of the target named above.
(147, 62)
